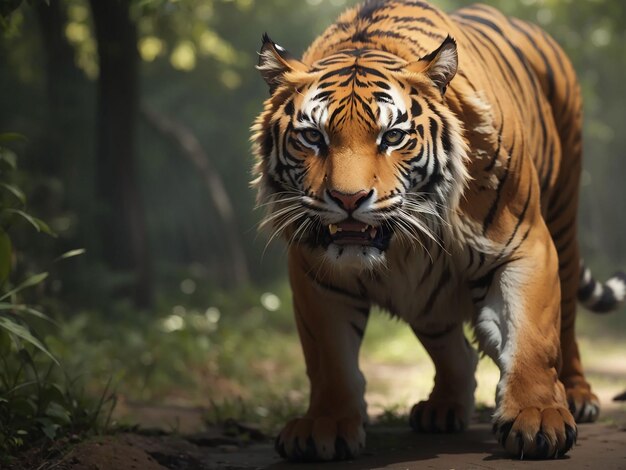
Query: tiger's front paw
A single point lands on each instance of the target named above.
(537, 434)
(323, 438)
(433, 416)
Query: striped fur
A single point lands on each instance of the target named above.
(429, 164)
(601, 297)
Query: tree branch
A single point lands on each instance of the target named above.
(193, 151)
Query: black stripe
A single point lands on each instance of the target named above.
(420, 130)
(289, 108)
(416, 108)
(383, 85)
(548, 175)
(520, 219)
(492, 210)
(549, 71)
(334, 114)
(406, 19)
(342, 72)
(532, 77)
(359, 331)
(493, 161)
(443, 281)
(423, 6)
(586, 291)
(370, 8)
(483, 282)
(607, 301)
(365, 311)
(437, 334)
(305, 327)
(338, 290)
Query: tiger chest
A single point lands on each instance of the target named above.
(424, 290)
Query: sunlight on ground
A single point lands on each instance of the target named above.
(399, 372)
(254, 371)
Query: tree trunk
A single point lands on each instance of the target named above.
(122, 222)
(62, 77)
(192, 149)
(60, 148)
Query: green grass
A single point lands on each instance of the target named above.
(237, 354)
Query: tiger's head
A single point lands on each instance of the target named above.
(358, 148)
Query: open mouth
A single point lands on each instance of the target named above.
(353, 232)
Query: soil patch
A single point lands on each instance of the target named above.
(390, 447)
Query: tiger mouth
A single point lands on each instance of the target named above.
(353, 232)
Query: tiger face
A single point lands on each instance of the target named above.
(357, 149)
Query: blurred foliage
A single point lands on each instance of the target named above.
(215, 351)
(37, 400)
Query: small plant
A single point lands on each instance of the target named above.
(393, 415)
(266, 414)
(37, 401)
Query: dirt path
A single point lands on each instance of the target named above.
(600, 446)
(192, 447)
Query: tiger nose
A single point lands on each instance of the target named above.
(349, 202)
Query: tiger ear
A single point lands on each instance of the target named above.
(440, 65)
(275, 62)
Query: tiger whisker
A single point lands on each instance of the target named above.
(423, 229)
(301, 230)
(284, 224)
(278, 214)
(405, 226)
(287, 220)
(278, 201)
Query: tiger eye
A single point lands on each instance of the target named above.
(313, 136)
(393, 137)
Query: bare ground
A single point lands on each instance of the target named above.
(600, 446)
(179, 439)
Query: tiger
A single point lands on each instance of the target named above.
(428, 164)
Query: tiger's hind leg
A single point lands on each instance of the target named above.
(451, 403)
(583, 403)
(561, 219)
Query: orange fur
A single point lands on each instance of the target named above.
(487, 174)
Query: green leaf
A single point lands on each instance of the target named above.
(22, 332)
(17, 192)
(5, 256)
(71, 254)
(11, 137)
(44, 227)
(53, 393)
(23, 407)
(20, 386)
(58, 413)
(26, 309)
(29, 218)
(8, 156)
(39, 224)
(5, 344)
(31, 281)
(48, 427)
